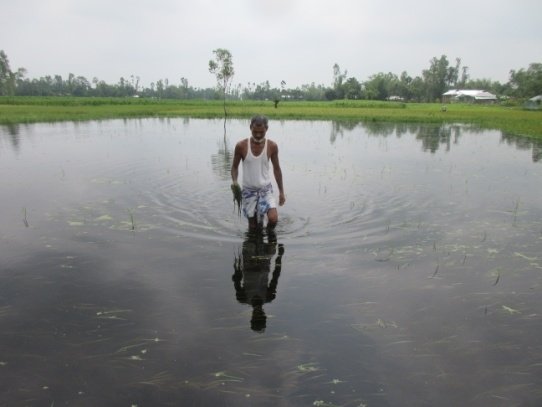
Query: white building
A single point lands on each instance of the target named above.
(469, 95)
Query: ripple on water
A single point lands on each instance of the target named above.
(198, 205)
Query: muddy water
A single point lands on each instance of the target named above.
(406, 267)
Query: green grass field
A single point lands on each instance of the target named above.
(511, 120)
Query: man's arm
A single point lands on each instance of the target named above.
(277, 172)
(237, 156)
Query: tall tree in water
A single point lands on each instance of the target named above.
(222, 67)
(6, 76)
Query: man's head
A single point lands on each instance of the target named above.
(259, 121)
(258, 126)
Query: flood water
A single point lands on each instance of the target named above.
(406, 268)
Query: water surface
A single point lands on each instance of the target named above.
(406, 267)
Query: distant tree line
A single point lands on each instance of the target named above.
(440, 76)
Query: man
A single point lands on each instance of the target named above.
(256, 152)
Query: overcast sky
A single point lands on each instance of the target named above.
(297, 41)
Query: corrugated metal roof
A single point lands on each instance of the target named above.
(473, 93)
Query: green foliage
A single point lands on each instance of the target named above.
(439, 77)
(527, 83)
(512, 120)
(7, 77)
(222, 67)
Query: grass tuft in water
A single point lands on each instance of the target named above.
(25, 220)
(133, 227)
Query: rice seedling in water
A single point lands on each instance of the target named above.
(436, 271)
(132, 219)
(237, 197)
(25, 221)
(515, 211)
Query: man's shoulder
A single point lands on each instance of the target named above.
(242, 143)
(272, 145)
(241, 148)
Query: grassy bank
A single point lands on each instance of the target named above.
(512, 120)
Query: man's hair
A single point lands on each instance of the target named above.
(259, 120)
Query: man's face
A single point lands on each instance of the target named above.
(258, 131)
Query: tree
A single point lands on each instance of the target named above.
(464, 77)
(7, 78)
(527, 83)
(405, 86)
(222, 67)
(352, 89)
(381, 86)
(435, 78)
(417, 89)
(338, 79)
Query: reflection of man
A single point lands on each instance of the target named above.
(251, 276)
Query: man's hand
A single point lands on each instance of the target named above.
(282, 199)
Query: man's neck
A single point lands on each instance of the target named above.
(261, 141)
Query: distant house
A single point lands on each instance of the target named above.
(468, 95)
(395, 98)
(534, 103)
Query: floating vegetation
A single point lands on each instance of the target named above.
(336, 381)
(159, 379)
(523, 256)
(225, 377)
(510, 310)
(308, 367)
(384, 258)
(322, 403)
(112, 314)
(385, 324)
(380, 323)
(103, 218)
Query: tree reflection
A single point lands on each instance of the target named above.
(432, 136)
(251, 274)
(13, 131)
(221, 161)
(524, 143)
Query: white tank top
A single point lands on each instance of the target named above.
(256, 169)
